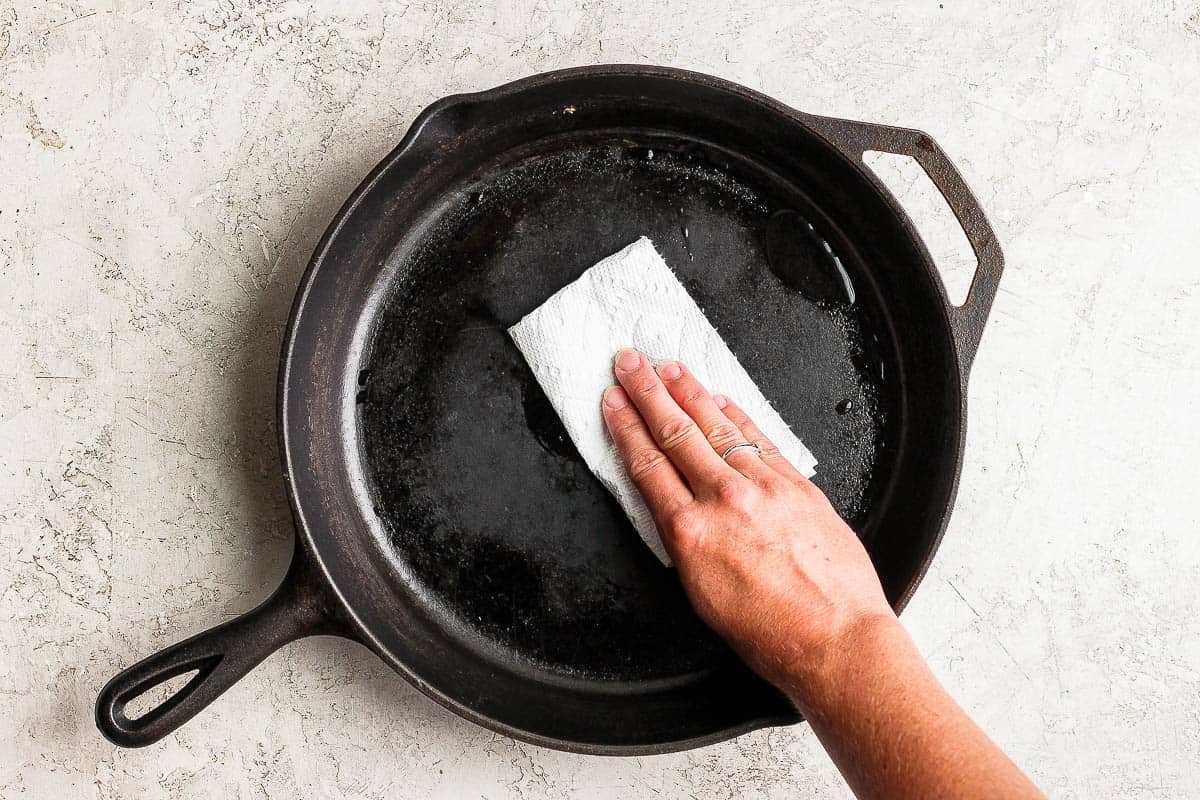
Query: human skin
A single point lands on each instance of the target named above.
(769, 565)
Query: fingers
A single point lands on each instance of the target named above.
(770, 453)
(720, 432)
(676, 433)
(649, 468)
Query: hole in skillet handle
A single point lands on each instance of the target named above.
(854, 139)
(947, 243)
(161, 693)
(153, 697)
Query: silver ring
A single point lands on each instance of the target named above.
(742, 446)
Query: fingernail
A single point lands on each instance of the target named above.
(615, 398)
(629, 360)
(669, 370)
(721, 400)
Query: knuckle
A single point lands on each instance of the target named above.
(775, 486)
(769, 451)
(808, 494)
(810, 490)
(682, 523)
(731, 491)
(675, 431)
(628, 433)
(644, 461)
(629, 424)
(722, 433)
(694, 395)
(644, 385)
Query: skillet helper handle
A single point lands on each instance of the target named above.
(966, 320)
(219, 657)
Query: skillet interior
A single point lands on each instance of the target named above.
(499, 574)
(485, 499)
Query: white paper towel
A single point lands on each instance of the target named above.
(632, 299)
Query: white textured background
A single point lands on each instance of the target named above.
(167, 168)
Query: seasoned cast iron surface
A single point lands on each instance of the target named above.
(487, 504)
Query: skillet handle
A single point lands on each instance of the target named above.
(220, 657)
(966, 320)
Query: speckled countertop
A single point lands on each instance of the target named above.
(168, 168)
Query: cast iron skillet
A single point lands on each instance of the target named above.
(444, 519)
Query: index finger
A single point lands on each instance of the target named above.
(649, 468)
(677, 434)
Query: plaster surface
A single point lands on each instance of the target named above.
(167, 169)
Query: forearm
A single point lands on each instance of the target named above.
(891, 728)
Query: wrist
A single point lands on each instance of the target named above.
(860, 651)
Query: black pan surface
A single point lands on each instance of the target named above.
(487, 504)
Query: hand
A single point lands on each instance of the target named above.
(768, 563)
(763, 556)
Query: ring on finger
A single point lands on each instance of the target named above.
(741, 446)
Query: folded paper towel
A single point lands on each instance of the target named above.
(632, 299)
